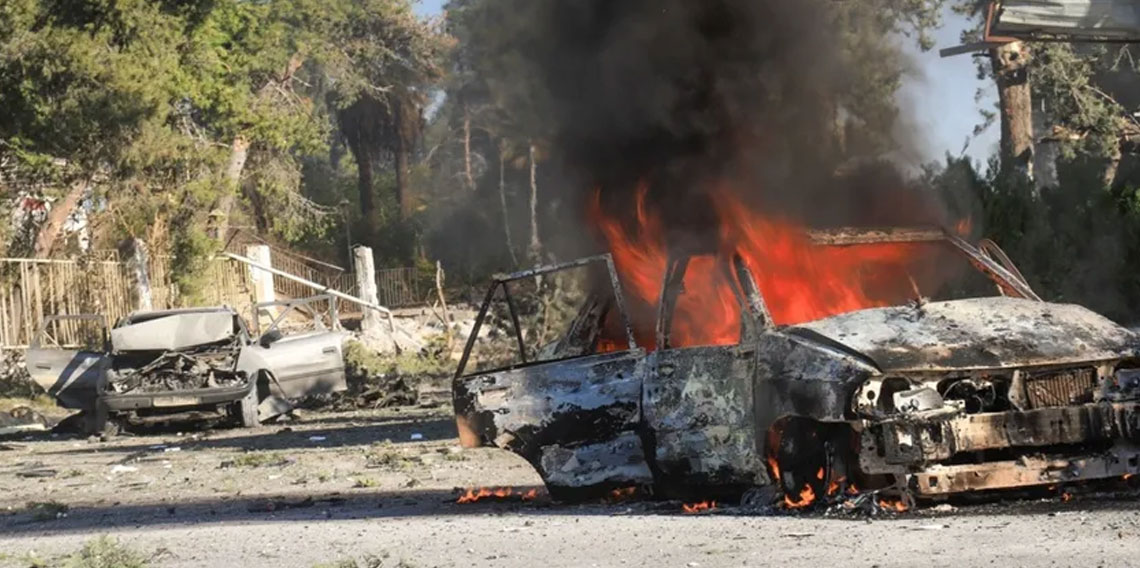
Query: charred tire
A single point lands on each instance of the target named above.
(247, 410)
(97, 422)
(801, 453)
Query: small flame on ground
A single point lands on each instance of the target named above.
(698, 507)
(1066, 497)
(1127, 476)
(820, 474)
(807, 497)
(896, 506)
(475, 495)
(623, 494)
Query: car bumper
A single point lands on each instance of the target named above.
(940, 456)
(175, 400)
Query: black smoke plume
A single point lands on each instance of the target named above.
(692, 95)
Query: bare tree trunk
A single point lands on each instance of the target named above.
(364, 185)
(503, 203)
(53, 225)
(535, 241)
(223, 207)
(1112, 167)
(468, 174)
(403, 195)
(1010, 67)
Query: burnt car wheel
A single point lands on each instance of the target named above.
(97, 421)
(247, 409)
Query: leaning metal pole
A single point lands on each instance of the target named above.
(319, 287)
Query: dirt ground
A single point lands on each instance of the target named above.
(335, 488)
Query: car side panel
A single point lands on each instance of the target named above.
(576, 421)
(301, 365)
(698, 404)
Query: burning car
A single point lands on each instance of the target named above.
(191, 364)
(901, 360)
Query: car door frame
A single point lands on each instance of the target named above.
(74, 367)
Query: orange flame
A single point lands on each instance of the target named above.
(807, 497)
(1066, 497)
(835, 485)
(619, 495)
(965, 227)
(775, 465)
(800, 281)
(1127, 476)
(501, 493)
(698, 507)
(895, 506)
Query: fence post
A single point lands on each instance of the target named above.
(263, 290)
(138, 261)
(365, 267)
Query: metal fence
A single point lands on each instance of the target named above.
(395, 288)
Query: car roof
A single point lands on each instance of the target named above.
(139, 317)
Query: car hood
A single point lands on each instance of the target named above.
(986, 333)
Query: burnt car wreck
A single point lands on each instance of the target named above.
(192, 364)
(928, 399)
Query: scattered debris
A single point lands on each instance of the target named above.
(47, 510)
(36, 473)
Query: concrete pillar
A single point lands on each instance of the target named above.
(138, 266)
(263, 290)
(365, 267)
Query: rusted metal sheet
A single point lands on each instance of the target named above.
(848, 237)
(1071, 20)
(1026, 472)
(984, 333)
(909, 442)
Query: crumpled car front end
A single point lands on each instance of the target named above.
(171, 363)
(994, 393)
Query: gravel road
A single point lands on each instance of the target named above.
(341, 487)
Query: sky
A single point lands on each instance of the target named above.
(938, 98)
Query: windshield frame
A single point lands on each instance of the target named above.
(1007, 277)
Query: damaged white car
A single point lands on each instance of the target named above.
(192, 364)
